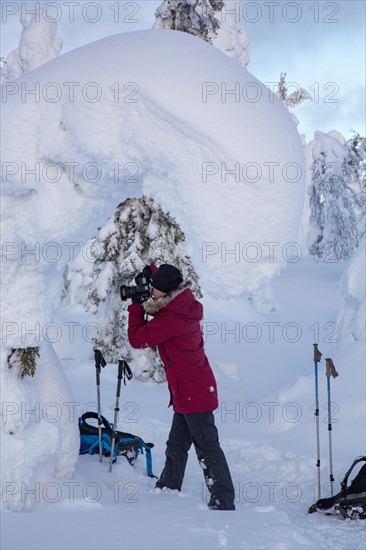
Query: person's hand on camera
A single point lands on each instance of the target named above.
(138, 298)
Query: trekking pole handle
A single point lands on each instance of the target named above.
(317, 354)
(126, 371)
(120, 369)
(98, 375)
(99, 359)
(330, 369)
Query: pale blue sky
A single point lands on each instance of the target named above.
(319, 44)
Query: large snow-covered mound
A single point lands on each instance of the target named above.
(159, 113)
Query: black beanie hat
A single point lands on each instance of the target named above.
(166, 278)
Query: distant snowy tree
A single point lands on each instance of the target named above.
(297, 97)
(195, 17)
(139, 233)
(293, 99)
(333, 222)
(38, 45)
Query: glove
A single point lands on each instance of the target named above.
(138, 298)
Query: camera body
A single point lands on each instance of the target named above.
(142, 288)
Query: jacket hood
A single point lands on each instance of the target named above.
(180, 302)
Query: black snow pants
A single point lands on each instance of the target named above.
(199, 429)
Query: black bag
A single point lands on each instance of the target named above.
(126, 444)
(350, 502)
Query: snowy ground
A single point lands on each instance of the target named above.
(266, 426)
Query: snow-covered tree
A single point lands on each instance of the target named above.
(215, 21)
(355, 159)
(333, 221)
(38, 45)
(195, 17)
(139, 233)
(351, 319)
(231, 37)
(354, 170)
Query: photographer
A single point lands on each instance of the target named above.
(175, 330)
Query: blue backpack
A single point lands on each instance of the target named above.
(127, 445)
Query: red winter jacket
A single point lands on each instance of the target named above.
(176, 331)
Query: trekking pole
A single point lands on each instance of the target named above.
(317, 359)
(124, 372)
(330, 370)
(99, 362)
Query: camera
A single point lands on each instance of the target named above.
(142, 288)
